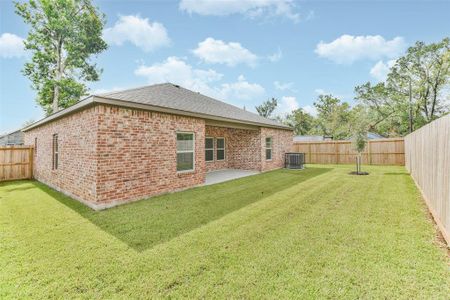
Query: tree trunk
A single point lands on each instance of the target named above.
(55, 99)
(359, 163)
(55, 106)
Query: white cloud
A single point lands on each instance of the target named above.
(286, 105)
(325, 92)
(241, 90)
(110, 90)
(11, 46)
(219, 52)
(348, 49)
(321, 92)
(380, 70)
(138, 31)
(310, 109)
(249, 8)
(177, 70)
(276, 56)
(284, 86)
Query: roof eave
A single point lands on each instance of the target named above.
(129, 104)
(116, 102)
(77, 106)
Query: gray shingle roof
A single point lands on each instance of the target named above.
(172, 96)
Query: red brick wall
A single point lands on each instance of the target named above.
(109, 155)
(281, 143)
(245, 150)
(77, 167)
(241, 148)
(137, 153)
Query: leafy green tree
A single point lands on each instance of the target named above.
(63, 36)
(425, 72)
(301, 121)
(415, 93)
(267, 107)
(388, 111)
(359, 126)
(333, 117)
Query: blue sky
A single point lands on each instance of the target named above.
(242, 52)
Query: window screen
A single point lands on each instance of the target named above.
(55, 152)
(209, 149)
(185, 151)
(220, 149)
(268, 148)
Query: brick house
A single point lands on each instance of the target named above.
(122, 146)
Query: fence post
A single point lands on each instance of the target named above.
(336, 150)
(369, 156)
(309, 150)
(31, 156)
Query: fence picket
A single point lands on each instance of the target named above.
(428, 161)
(16, 162)
(377, 152)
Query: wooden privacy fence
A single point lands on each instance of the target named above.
(428, 160)
(16, 162)
(377, 152)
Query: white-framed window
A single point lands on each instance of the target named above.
(185, 151)
(209, 149)
(268, 148)
(220, 148)
(55, 152)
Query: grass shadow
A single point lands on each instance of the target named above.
(144, 224)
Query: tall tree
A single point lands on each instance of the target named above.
(415, 93)
(63, 36)
(301, 121)
(423, 73)
(387, 110)
(267, 107)
(333, 117)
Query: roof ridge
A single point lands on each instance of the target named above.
(228, 104)
(186, 89)
(173, 86)
(133, 89)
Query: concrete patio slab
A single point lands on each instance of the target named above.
(227, 174)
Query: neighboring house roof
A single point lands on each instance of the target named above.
(173, 99)
(12, 138)
(313, 138)
(374, 136)
(307, 138)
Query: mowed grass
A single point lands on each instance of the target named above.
(314, 233)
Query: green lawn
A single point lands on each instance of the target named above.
(314, 233)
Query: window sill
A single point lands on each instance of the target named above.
(185, 172)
